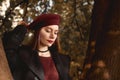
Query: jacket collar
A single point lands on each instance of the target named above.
(58, 64)
(30, 58)
(32, 61)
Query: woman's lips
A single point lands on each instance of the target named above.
(50, 41)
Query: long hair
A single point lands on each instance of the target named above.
(42, 21)
(35, 42)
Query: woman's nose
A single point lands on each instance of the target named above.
(52, 35)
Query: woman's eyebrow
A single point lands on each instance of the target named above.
(52, 28)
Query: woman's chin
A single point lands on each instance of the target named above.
(49, 45)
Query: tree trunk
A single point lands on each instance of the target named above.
(105, 62)
(98, 15)
(5, 73)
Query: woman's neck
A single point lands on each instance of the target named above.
(44, 52)
(41, 48)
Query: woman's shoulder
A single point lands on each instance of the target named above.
(25, 47)
(25, 50)
(64, 57)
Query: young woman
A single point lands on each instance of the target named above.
(42, 60)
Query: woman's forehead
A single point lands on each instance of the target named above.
(52, 27)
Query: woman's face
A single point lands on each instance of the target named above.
(48, 35)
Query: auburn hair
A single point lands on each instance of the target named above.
(55, 46)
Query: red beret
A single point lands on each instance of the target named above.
(45, 20)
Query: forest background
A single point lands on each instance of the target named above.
(75, 24)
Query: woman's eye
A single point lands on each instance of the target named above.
(56, 32)
(48, 30)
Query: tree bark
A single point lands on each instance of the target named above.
(5, 73)
(105, 31)
(98, 15)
